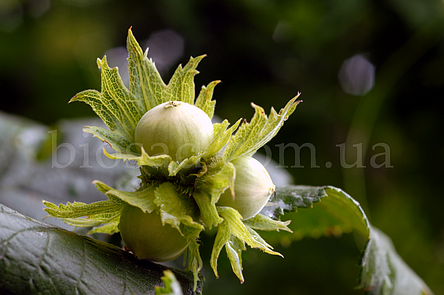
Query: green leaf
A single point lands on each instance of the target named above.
(222, 237)
(216, 180)
(209, 187)
(238, 229)
(234, 248)
(102, 223)
(160, 161)
(252, 136)
(143, 199)
(145, 81)
(172, 286)
(116, 140)
(98, 213)
(204, 101)
(208, 212)
(115, 105)
(38, 258)
(174, 207)
(181, 85)
(121, 109)
(234, 234)
(195, 263)
(221, 137)
(382, 269)
(147, 85)
(262, 222)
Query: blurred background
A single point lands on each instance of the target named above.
(371, 74)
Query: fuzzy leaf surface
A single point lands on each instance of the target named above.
(39, 258)
(383, 271)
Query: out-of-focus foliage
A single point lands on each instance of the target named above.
(48, 51)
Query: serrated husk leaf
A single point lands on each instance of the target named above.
(92, 221)
(204, 101)
(121, 109)
(219, 177)
(145, 81)
(175, 208)
(222, 236)
(208, 211)
(79, 209)
(262, 222)
(195, 263)
(115, 139)
(143, 199)
(144, 159)
(233, 234)
(181, 85)
(103, 215)
(237, 228)
(252, 136)
(110, 227)
(221, 138)
(115, 105)
(234, 248)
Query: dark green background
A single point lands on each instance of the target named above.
(265, 52)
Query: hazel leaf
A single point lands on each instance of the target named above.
(252, 136)
(329, 210)
(38, 258)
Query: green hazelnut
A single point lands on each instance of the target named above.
(252, 187)
(146, 236)
(175, 128)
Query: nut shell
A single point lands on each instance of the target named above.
(175, 128)
(252, 187)
(144, 234)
